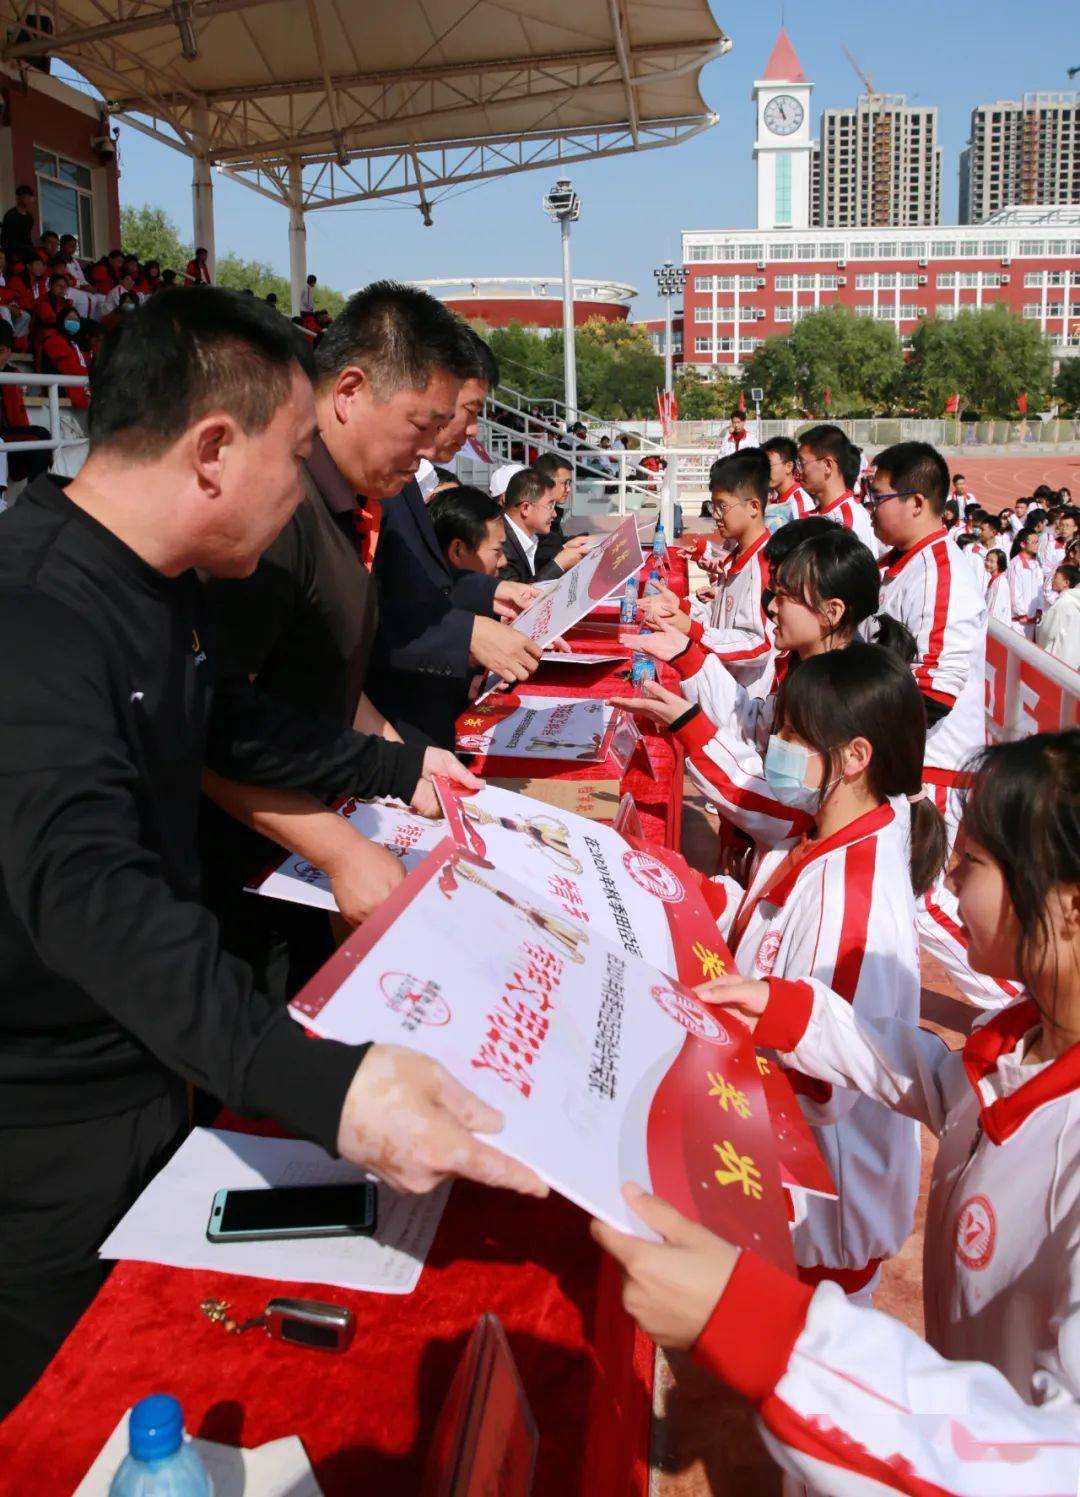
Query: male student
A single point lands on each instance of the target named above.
(961, 494)
(928, 585)
(529, 505)
(468, 526)
(736, 438)
(116, 989)
(830, 466)
(198, 268)
(436, 626)
(784, 485)
(734, 625)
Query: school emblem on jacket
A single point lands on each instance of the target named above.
(976, 1233)
(654, 877)
(767, 953)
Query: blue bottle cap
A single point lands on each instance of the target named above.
(156, 1427)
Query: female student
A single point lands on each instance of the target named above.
(825, 583)
(1059, 630)
(998, 599)
(851, 1400)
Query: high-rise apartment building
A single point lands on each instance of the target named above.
(1021, 152)
(880, 165)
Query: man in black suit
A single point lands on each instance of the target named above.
(560, 470)
(437, 624)
(529, 503)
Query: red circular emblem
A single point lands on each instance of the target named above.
(976, 1232)
(690, 1014)
(417, 1001)
(654, 877)
(767, 953)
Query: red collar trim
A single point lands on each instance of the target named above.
(1002, 1117)
(895, 561)
(835, 504)
(782, 498)
(866, 825)
(740, 560)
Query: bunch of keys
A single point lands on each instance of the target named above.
(305, 1322)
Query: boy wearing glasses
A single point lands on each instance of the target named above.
(928, 585)
(733, 624)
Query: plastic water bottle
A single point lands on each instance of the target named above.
(160, 1463)
(659, 542)
(653, 583)
(629, 602)
(642, 669)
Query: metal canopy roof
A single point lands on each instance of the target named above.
(377, 98)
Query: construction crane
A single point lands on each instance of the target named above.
(868, 82)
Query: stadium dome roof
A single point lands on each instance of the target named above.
(336, 101)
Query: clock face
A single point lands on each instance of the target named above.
(783, 114)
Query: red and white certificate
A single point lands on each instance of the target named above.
(577, 729)
(577, 592)
(408, 836)
(605, 1069)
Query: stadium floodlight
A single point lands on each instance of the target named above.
(563, 206)
(670, 281)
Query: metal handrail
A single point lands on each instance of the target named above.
(52, 384)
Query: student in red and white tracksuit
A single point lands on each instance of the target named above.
(830, 464)
(998, 599)
(734, 624)
(827, 584)
(1026, 586)
(928, 586)
(738, 630)
(852, 1402)
(784, 484)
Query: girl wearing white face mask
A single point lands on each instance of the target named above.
(839, 906)
(823, 584)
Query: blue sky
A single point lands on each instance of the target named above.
(954, 55)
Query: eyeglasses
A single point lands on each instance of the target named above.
(721, 509)
(874, 498)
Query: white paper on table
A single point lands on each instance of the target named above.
(564, 657)
(167, 1224)
(390, 824)
(601, 572)
(563, 728)
(280, 1468)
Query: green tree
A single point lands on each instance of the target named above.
(988, 356)
(771, 368)
(705, 400)
(151, 234)
(618, 374)
(1067, 383)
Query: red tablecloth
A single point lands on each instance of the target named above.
(366, 1417)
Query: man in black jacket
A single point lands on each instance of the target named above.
(437, 624)
(529, 503)
(114, 988)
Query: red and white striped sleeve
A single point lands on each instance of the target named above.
(949, 620)
(751, 640)
(854, 1403)
(723, 757)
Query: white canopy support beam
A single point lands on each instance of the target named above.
(620, 27)
(202, 192)
(297, 235)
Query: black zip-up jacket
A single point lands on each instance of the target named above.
(112, 975)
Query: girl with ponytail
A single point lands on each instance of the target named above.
(823, 590)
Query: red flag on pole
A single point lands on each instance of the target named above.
(828, 397)
(1021, 403)
(742, 401)
(952, 405)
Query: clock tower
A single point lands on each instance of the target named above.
(782, 147)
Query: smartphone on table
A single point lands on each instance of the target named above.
(293, 1211)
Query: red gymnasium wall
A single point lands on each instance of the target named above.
(38, 120)
(533, 311)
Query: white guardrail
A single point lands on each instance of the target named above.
(1027, 690)
(67, 439)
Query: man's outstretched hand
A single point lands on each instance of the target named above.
(408, 1120)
